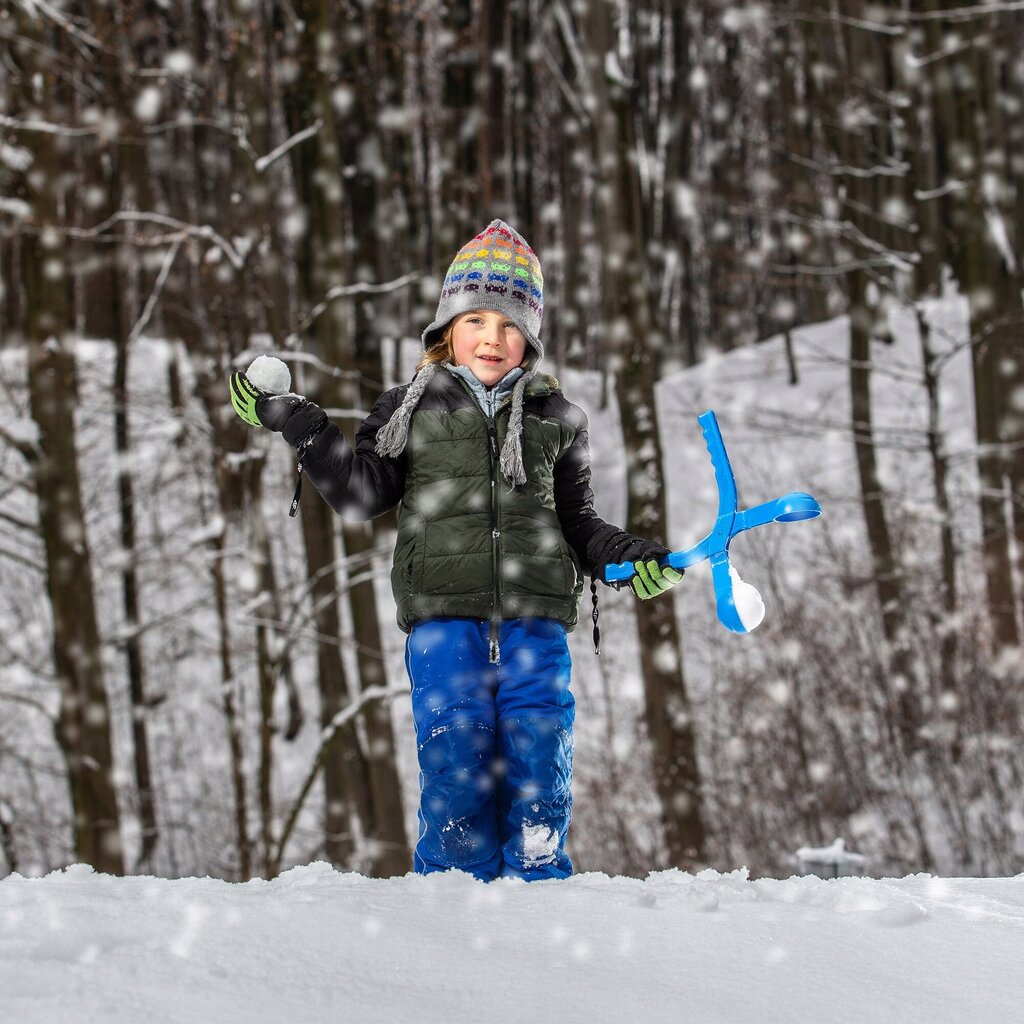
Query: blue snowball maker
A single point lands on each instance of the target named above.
(738, 604)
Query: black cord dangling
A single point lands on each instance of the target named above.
(298, 492)
(301, 449)
(594, 615)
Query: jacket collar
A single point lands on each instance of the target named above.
(496, 394)
(541, 384)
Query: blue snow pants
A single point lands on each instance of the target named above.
(495, 747)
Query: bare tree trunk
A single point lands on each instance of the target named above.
(360, 348)
(859, 143)
(331, 206)
(887, 572)
(631, 332)
(347, 794)
(985, 232)
(232, 716)
(109, 276)
(10, 851)
(945, 626)
(83, 727)
(229, 438)
(933, 252)
(130, 593)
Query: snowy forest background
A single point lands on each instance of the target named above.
(807, 216)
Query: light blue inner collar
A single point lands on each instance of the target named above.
(488, 397)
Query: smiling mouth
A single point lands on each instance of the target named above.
(490, 359)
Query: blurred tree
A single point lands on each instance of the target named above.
(324, 93)
(857, 127)
(83, 729)
(110, 291)
(975, 80)
(631, 341)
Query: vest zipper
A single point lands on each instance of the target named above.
(494, 651)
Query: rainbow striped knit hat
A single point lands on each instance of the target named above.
(496, 269)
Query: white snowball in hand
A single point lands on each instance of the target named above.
(270, 374)
(747, 600)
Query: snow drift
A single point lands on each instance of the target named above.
(316, 946)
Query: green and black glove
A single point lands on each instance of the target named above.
(651, 579)
(259, 408)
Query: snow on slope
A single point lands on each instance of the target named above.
(319, 946)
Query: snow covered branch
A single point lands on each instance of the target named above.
(23, 560)
(360, 288)
(203, 231)
(263, 162)
(29, 448)
(154, 295)
(20, 698)
(61, 20)
(22, 524)
(966, 13)
(46, 127)
(861, 23)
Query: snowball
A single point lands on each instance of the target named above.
(749, 606)
(270, 374)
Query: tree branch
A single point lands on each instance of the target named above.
(46, 127)
(263, 162)
(346, 714)
(30, 450)
(203, 231)
(21, 524)
(360, 288)
(154, 295)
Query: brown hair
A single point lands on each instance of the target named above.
(440, 351)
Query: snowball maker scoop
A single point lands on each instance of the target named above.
(790, 508)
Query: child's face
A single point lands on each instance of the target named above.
(488, 343)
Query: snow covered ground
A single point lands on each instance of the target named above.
(316, 945)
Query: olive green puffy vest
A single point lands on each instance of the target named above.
(469, 544)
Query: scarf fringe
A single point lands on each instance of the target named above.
(392, 437)
(512, 450)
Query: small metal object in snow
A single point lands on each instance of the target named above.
(739, 605)
(833, 861)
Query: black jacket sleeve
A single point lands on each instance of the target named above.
(595, 542)
(357, 483)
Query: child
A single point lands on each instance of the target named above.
(491, 466)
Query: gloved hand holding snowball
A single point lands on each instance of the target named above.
(262, 396)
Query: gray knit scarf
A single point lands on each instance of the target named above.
(392, 437)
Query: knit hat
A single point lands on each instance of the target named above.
(498, 270)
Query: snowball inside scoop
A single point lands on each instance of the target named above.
(749, 606)
(270, 374)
